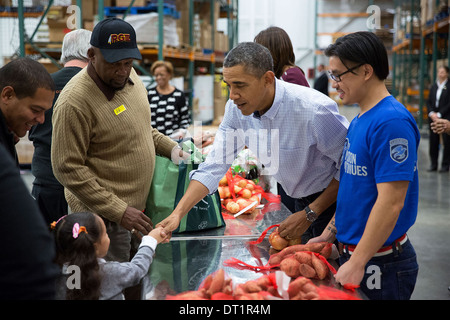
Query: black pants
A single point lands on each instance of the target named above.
(51, 202)
(434, 149)
(317, 227)
(285, 199)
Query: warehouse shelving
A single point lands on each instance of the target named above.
(187, 57)
(422, 40)
(331, 22)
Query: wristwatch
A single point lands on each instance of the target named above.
(311, 216)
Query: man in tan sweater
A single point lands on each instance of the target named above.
(103, 147)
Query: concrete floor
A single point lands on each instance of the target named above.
(429, 234)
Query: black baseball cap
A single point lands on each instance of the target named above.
(116, 40)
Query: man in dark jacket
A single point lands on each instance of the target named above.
(438, 105)
(47, 191)
(27, 271)
(321, 83)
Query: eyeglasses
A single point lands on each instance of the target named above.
(337, 78)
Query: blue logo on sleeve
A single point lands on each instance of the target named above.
(399, 149)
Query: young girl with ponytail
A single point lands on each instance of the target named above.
(81, 244)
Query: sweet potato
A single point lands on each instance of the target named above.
(273, 291)
(189, 295)
(320, 267)
(326, 250)
(264, 282)
(290, 266)
(324, 247)
(217, 282)
(227, 287)
(239, 290)
(207, 282)
(252, 296)
(311, 295)
(309, 287)
(307, 271)
(221, 296)
(251, 286)
(276, 259)
(314, 247)
(303, 257)
(296, 286)
(302, 289)
(293, 242)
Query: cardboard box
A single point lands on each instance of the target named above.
(183, 24)
(26, 3)
(57, 29)
(204, 11)
(146, 27)
(206, 36)
(88, 25)
(221, 42)
(126, 3)
(56, 12)
(424, 12)
(431, 10)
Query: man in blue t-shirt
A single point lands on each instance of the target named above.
(378, 192)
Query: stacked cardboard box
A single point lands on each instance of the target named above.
(57, 23)
(430, 9)
(221, 42)
(202, 12)
(146, 27)
(126, 3)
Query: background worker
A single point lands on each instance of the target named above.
(47, 191)
(170, 109)
(321, 83)
(441, 126)
(26, 92)
(438, 106)
(378, 188)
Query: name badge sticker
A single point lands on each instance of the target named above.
(119, 110)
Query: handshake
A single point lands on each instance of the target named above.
(160, 234)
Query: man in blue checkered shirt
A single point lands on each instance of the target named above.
(296, 132)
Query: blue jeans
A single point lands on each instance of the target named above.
(390, 277)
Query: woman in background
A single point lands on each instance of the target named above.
(280, 46)
(170, 111)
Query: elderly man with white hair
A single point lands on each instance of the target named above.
(47, 191)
